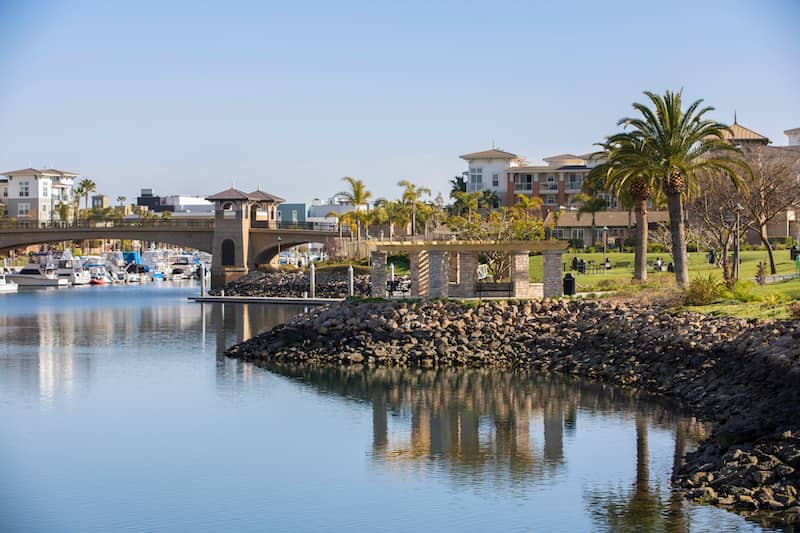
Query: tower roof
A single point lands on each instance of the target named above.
(740, 133)
(490, 154)
(229, 194)
(262, 196)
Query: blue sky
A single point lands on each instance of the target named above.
(185, 97)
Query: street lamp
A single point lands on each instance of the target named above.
(279, 248)
(738, 208)
(605, 239)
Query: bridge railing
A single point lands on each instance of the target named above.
(306, 226)
(27, 225)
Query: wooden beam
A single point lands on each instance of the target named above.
(472, 246)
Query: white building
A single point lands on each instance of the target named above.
(189, 204)
(35, 194)
(487, 170)
(794, 136)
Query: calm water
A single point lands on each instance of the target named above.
(118, 414)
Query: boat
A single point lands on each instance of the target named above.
(6, 286)
(38, 275)
(97, 270)
(71, 269)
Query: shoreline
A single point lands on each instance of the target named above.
(741, 376)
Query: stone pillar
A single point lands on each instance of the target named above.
(454, 263)
(379, 274)
(520, 276)
(418, 264)
(468, 270)
(553, 287)
(439, 274)
(351, 288)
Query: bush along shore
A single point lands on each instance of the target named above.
(742, 376)
(293, 284)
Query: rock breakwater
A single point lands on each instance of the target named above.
(295, 284)
(742, 376)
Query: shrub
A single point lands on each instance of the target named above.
(743, 291)
(704, 290)
(656, 248)
(794, 309)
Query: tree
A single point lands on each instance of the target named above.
(412, 194)
(678, 145)
(466, 202)
(121, 200)
(489, 199)
(773, 188)
(591, 205)
(622, 173)
(458, 184)
(79, 191)
(87, 186)
(396, 213)
(358, 196)
(63, 209)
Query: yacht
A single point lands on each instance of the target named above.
(97, 270)
(69, 268)
(38, 275)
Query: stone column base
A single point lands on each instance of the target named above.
(221, 276)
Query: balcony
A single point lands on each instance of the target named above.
(548, 188)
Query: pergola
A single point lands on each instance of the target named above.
(441, 269)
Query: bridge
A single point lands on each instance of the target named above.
(242, 234)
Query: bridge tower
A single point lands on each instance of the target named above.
(232, 221)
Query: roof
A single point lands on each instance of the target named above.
(740, 133)
(612, 219)
(490, 154)
(261, 196)
(36, 172)
(793, 130)
(229, 194)
(540, 168)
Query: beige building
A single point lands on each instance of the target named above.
(34, 194)
(620, 224)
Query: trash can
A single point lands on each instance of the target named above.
(794, 252)
(712, 257)
(569, 285)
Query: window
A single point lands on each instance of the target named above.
(523, 182)
(577, 234)
(575, 182)
(475, 179)
(45, 189)
(550, 199)
(495, 180)
(23, 210)
(294, 216)
(551, 178)
(24, 189)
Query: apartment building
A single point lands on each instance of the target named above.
(486, 170)
(35, 194)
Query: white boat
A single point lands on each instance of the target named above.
(71, 269)
(6, 285)
(38, 275)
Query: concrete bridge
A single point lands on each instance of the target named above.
(242, 234)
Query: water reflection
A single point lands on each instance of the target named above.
(499, 429)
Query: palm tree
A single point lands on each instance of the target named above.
(121, 200)
(79, 191)
(634, 184)
(358, 195)
(677, 146)
(458, 184)
(489, 199)
(338, 217)
(63, 210)
(466, 201)
(396, 213)
(528, 203)
(412, 194)
(87, 186)
(593, 206)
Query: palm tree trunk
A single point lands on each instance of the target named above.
(678, 231)
(765, 240)
(593, 230)
(640, 255)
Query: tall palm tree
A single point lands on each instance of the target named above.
(678, 145)
(79, 191)
(87, 186)
(359, 196)
(121, 200)
(591, 205)
(621, 174)
(458, 184)
(412, 194)
(466, 201)
(528, 203)
(396, 213)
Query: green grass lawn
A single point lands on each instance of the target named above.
(622, 268)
